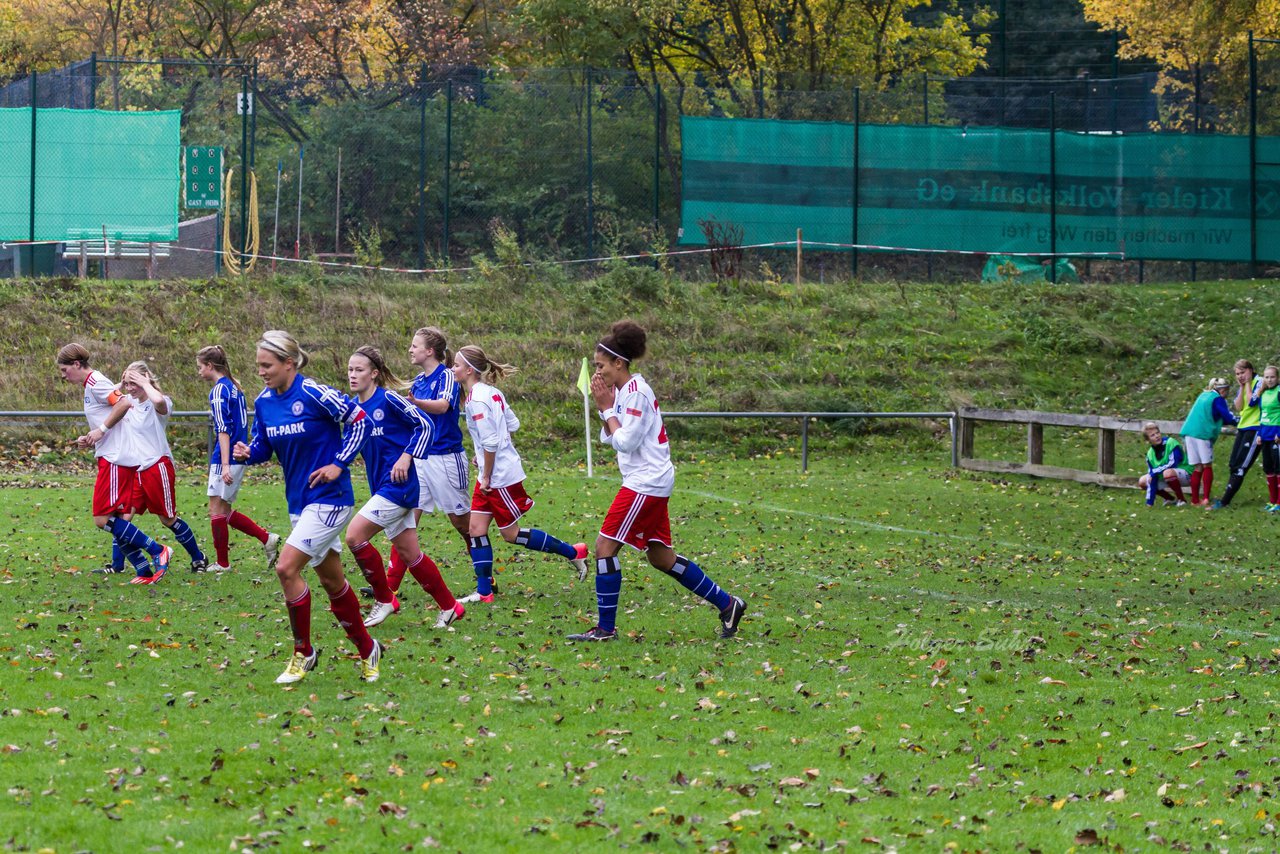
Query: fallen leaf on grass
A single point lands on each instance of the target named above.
(1088, 836)
(1048, 680)
(1196, 746)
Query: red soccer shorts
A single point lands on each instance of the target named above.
(113, 489)
(153, 490)
(637, 520)
(506, 504)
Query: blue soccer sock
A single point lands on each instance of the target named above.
(608, 586)
(117, 556)
(128, 534)
(691, 576)
(482, 562)
(138, 560)
(186, 538)
(541, 541)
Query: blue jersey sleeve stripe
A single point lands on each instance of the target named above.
(420, 441)
(217, 406)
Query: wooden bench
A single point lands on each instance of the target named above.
(83, 245)
(1107, 427)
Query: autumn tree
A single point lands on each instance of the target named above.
(1183, 35)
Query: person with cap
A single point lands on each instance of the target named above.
(1200, 430)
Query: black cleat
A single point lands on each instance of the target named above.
(731, 616)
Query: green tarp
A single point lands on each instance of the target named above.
(94, 168)
(1153, 196)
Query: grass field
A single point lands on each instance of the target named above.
(931, 660)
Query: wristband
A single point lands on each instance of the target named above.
(102, 428)
(604, 416)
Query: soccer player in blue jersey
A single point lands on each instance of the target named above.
(398, 436)
(638, 517)
(442, 476)
(499, 494)
(300, 421)
(230, 425)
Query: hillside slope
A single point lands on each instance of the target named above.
(1125, 349)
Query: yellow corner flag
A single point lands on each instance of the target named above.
(584, 379)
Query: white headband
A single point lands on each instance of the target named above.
(614, 353)
(468, 361)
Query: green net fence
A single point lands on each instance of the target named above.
(978, 189)
(96, 173)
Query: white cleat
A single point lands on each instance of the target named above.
(271, 548)
(380, 611)
(447, 615)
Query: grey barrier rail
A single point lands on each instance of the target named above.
(803, 417)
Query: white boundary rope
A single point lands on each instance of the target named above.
(637, 256)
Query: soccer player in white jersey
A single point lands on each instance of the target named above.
(499, 495)
(638, 516)
(299, 421)
(113, 489)
(230, 417)
(155, 487)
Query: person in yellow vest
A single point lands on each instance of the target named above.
(1268, 440)
(1200, 430)
(1167, 469)
(1244, 450)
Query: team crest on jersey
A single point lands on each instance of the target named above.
(297, 407)
(378, 414)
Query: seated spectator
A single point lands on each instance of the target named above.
(1167, 470)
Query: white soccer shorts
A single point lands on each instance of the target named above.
(444, 482)
(1199, 451)
(317, 530)
(391, 517)
(226, 491)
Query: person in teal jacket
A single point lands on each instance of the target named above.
(1200, 431)
(1166, 467)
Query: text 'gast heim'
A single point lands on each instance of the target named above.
(1078, 195)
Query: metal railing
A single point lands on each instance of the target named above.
(803, 417)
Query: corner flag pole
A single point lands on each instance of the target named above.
(584, 386)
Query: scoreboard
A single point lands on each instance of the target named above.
(202, 176)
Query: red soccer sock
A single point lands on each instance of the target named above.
(1206, 481)
(221, 539)
(1195, 486)
(1273, 488)
(346, 607)
(370, 562)
(300, 621)
(1165, 494)
(245, 525)
(426, 573)
(1175, 488)
(395, 574)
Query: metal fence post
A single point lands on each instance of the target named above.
(657, 163)
(244, 161)
(93, 80)
(1053, 187)
(422, 166)
(591, 212)
(448, 161)
(1253, 158)
(31, 212)
(857, 133)
(804, 443)
(253, 120)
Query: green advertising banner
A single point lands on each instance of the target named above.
(93, 169)
(1150, 196)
